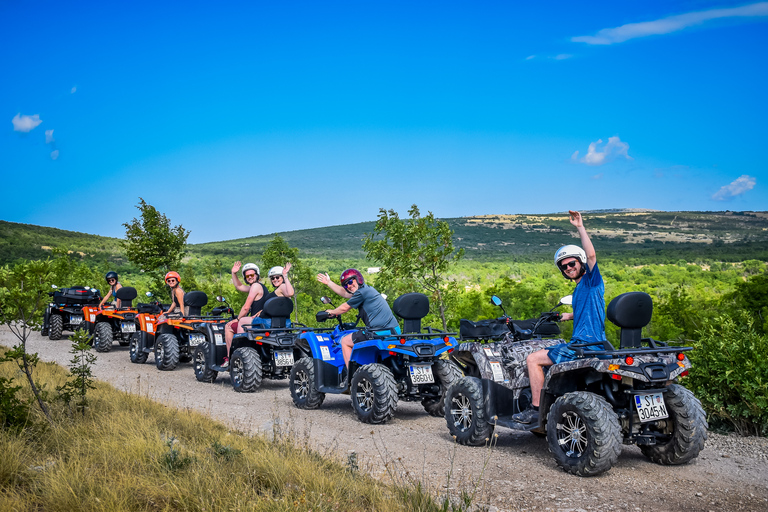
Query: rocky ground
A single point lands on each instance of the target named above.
(517, 473)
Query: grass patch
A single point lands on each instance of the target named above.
(130, 453)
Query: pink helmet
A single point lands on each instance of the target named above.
(350, 273)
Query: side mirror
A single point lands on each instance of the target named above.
(54, 286)
(495, 301)
(325, 300)
(384, 295)
(149, 294)
(567, 300)
(221, 298)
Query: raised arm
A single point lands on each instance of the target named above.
(285, 289)
(586, 243)
(236, 279)
(337, 289)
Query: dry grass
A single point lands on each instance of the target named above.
(129, 453)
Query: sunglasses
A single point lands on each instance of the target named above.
(349, 282)
(248, 276)
(570, 264)
(275, 277)
(171, 280)
(111, 280)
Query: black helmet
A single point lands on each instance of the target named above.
(110, 275)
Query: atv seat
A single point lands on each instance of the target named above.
(631, 311)
(194, 302)
(279, 309)
(126, 294)
(411, 307)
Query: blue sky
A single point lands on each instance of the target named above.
(246, 118)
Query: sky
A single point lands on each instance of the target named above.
(238, 119)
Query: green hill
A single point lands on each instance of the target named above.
(650, 236)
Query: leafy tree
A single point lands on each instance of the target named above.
(752, 295)
(415, 253)
(80, 373)
(152, 244)
(23, 293)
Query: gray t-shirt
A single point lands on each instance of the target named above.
(373, 308)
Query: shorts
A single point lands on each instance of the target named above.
(560, 353)
(364, 335)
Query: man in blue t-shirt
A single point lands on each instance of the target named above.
(373, 308)
(579, 265)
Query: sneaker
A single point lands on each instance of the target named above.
(225, 363)
(529, 415)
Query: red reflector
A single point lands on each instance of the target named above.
(402, 341)
(266, 334)
(450, 350)
(391, 353)
(445, 339)
(680, 356)
(615, 377)
(259, 343)
(629, 360)
(684, 374)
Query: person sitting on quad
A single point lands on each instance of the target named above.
(373, 308)
(114, 285)
(579, 265)
(173, 280)
(278, 276)
(254, 303)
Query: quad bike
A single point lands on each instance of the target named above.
(589, 406)
(177, 336)
(258, 353)
(382, 370)
(495, 329)
(143, 340)
(111, 323)
(65, 311)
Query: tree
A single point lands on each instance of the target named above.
(23, 293)
(152, 244)
(415, 253)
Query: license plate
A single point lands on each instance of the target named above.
(651, 407)
(75, 319)
(422, 374)
(127, 327)
(196, 339)
(283, 358)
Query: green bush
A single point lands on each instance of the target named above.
(730, 374)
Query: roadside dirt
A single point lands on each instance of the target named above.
(518, 473)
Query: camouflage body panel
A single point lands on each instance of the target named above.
(650, 367)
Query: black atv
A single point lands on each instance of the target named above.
(258, 353)
(65, 311)
(179, 335)
(589, 406)
(110, 323)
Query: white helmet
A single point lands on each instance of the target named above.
(250, 266)
(275, 271)
(571, 251)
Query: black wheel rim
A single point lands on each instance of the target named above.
(199, 362)
(364, 394)
(237, 371)
(461, 412)
(572, 434)
(301, 384)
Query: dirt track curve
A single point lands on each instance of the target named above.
(517, 474)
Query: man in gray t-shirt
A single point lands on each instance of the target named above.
(373, 308)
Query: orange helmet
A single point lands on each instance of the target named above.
(173, 274)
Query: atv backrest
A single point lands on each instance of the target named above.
(194, 302)
(126, 294)
(631, 311)
(279, 309)
(411, 307)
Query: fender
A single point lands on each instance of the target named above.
(481, 360)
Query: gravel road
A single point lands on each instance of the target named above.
(518, 473)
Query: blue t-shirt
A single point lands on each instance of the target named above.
(373, 309)
(589, 309)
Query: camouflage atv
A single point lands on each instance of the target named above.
(589, 406)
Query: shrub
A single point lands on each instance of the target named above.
(730, 374)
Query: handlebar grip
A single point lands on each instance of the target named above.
(322, 316)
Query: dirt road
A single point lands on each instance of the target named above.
(518, 473)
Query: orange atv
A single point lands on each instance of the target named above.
(111, 323)
(143, 340)
(178, 336)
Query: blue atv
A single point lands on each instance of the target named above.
(383, 369)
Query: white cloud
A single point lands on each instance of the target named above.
(562, 56)
(49, 136)
(670, 24)
(737, 187)
(54, 154)
(597, 176)
(530, 57)
(604, 154)
(25, 124)
(575, 156)
(73, 90)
